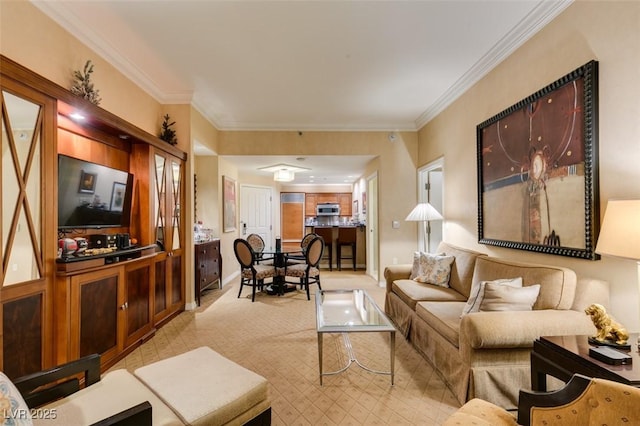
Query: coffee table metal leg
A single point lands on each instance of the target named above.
(320, 355)
(352, 357)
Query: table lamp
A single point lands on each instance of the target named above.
(424, 212)
(620, 231)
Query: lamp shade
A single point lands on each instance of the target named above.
(423, 212)
(620, 230)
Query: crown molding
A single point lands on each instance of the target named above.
(537, 19)
(64, 16)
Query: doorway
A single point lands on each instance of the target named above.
(256, 207)
(370, 208)
(431, 188)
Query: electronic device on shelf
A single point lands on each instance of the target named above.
(92, 195)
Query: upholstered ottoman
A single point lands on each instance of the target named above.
(205, 388)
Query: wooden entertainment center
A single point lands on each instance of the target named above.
(55, 311)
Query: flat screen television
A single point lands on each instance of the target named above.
(91, 195)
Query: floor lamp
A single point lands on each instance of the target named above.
(424, 212)
(620, 232)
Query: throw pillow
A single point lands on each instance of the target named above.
(434, 269)
(506, 298)
(13, 409)
(416, 265)
(477, 292)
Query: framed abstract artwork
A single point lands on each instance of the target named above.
(229, 204)
(538, 170)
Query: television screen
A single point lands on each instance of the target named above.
(91, 195)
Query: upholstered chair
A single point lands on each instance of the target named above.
(252, 273)
(308, 272)
(583, 401)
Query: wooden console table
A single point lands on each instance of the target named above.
(563, 356)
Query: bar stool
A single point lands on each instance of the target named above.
(327, 236)
(346, 238)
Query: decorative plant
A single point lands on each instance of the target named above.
(167, 134)
(83, 86)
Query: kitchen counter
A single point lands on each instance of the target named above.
(361, 258)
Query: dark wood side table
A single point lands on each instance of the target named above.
(563, 356)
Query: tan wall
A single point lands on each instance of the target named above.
(605, 31)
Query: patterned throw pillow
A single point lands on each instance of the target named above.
(434, 269)
(13, 409)
(477, 292)
(506, 298)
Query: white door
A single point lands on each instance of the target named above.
(431, 190)
(256, 212)
(371, 205)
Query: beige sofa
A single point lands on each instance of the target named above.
(486, 354)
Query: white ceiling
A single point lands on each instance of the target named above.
(305, 65)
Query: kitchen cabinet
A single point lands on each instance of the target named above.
(310, 203)
(208, 266)
(292, 215)
(344, 199)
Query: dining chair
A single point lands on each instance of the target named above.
(299, 257)
(257, 244)
(308, 272)
(327, 235)
(252, 273)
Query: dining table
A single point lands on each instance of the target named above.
(279, 255)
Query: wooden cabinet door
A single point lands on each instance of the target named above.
(139, 276)
(97, 303)
(344, 199)
(310, 203)
(292, 221)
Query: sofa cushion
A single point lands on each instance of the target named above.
(462, 267)
(205, 388)
(557, 284)
(507, 298)
(411, 291)
(117, 391)
(433, 269)
(444, 317)
(477, 293)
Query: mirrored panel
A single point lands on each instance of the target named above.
(159, 202)
(21, 189)
(176, 174)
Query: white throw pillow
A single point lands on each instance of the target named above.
(434, 269)
(506, 298)
(12, 406)
(477, 292)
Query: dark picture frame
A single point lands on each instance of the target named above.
(229, 204)
(117, 196)
(538, 170)
(87, 182)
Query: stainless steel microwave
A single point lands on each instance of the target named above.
(328, 209)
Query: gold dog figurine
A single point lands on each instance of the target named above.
(607, 328)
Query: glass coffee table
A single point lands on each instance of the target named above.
(351, 311)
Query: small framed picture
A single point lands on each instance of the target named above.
(87, 182)
(117, 196)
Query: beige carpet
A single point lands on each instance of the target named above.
(276, 338)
